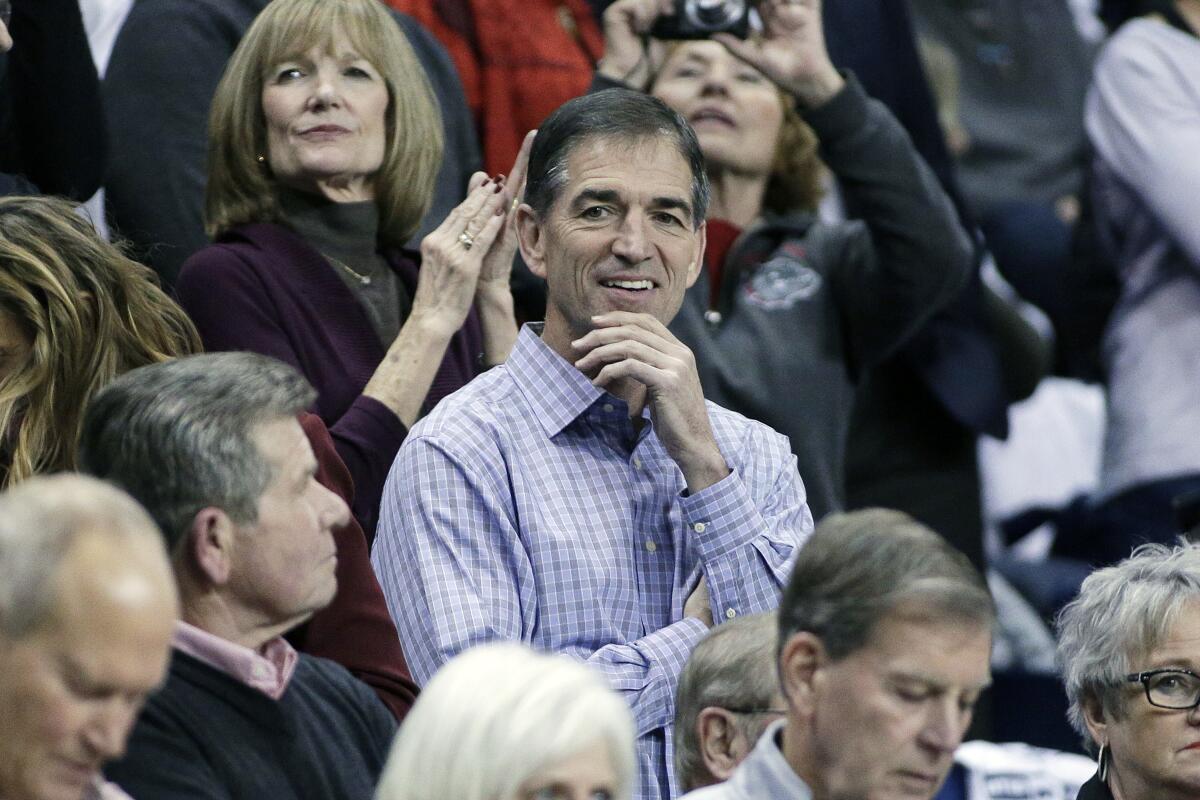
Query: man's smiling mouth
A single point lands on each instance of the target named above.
(635, 286)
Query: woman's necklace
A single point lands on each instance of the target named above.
(365, 280)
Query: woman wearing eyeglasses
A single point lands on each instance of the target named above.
(1129, 645)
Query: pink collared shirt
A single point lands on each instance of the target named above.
(269, 671)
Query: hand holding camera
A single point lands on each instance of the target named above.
(790, 49)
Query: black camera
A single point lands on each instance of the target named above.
(699, 19)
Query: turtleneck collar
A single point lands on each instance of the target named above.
(348, 231)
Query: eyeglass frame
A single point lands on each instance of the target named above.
(1144, 679)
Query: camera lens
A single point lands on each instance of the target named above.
(714, 15)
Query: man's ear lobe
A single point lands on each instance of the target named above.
(800, 663)
(208, 545)
(717, 734)
(531, 240)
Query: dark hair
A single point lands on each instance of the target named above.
(177, 436)
(611, 114)
(857, 567)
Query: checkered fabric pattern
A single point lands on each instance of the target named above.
(527, 507)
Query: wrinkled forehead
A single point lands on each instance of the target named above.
(639, 165)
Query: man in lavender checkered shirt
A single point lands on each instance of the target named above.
(583, 497)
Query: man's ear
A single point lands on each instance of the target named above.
(720, 741)
(208, 546)
(800, 663)
(698, 264)
(531, 240)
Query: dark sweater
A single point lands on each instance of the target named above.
(262, 288)
(207, 735)
(806, 308)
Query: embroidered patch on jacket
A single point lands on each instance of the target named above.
(781, 283)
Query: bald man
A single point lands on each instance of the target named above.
(87, 607)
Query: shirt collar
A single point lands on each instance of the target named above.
(269, 671)
(557, 391)
(766, 773)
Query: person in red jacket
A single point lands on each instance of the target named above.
(518, 61)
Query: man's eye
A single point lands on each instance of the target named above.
(595, 212)
(668, 219)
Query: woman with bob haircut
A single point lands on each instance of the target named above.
(1129, 646)
(502, 722)
(791, 311)
(325, 140)
(75, 312)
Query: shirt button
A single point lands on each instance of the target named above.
(651, 547)
(637, 463)
(699, 527)
(608, 408)
(730, 613)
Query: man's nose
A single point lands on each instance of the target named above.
(632, 245)
(108, 728)
(944, 727)
(335, 513)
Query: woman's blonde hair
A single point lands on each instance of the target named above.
(795, 179)
(91, 313)
(496, 715)
(242, 190)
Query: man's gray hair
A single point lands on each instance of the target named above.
(1121, 614)
(177, 435)
(40, 520)
(859, 566)
(732, 667)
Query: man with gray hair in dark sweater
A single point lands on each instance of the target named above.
(211, 446)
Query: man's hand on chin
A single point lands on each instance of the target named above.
(638, 347)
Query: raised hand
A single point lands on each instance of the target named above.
(637, 347)
(452, 256)
(630, 56)
(497, 264)
(791, 50)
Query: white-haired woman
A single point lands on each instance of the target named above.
(502, 722)
(1130, 651)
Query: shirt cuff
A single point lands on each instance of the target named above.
(721, 518)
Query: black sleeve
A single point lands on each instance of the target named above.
(55, 127)
(908, 255)
(164, 70)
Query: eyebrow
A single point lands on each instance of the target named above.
(612, 196)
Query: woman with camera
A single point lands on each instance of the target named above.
(792, 311)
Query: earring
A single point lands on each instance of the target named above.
(1102, 763)
(260, 158)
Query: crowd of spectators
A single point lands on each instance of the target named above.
(447, 400)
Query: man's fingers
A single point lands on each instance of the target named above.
(607, 325)
(629, 368)
(628, 349)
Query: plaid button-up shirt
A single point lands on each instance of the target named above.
(527, 507)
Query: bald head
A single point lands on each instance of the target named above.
(87, 607)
